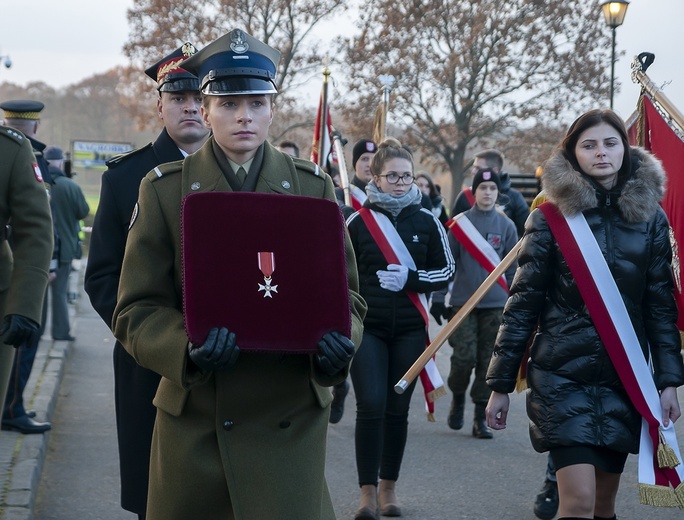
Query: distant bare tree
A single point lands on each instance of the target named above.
(469, 69)
(529, 148)
(92, 109)
(159, 26)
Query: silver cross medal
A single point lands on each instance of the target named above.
(267, 266)
(267, 287)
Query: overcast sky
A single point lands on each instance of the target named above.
(70, 40)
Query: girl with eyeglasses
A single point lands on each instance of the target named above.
(402, 252)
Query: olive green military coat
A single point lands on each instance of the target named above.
(24, 270)
(23, 204)
(250, 439)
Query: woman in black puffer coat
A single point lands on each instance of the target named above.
(578, 407)
(394, 330)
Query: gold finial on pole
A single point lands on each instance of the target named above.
(380, 124)
(670, 112)
(324, 114)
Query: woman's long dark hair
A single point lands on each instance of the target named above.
(591, 119)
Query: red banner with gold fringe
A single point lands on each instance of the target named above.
(654, 133)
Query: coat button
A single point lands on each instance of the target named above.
(285, 424)
(228, 425)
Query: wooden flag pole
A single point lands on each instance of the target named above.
(456, 321)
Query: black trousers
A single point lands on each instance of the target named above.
(21, 371)
(381, 413)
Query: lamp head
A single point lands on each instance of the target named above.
(614, 12)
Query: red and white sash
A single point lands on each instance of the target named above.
(660, 475)
(357, 197)
(395, 252)
(482, 251)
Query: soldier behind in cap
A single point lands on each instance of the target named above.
(24, 266)
(24, 115)
(238, 435)
(178, 107)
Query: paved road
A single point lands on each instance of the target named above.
(81, 475)
(446, 474)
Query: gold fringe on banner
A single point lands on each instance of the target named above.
(667, 458)
(436, 394)
(640, 122)
(658, 496)
(679, 495)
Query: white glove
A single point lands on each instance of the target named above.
(394, 278)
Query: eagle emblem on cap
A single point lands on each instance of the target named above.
(188, 49)
(239, 45)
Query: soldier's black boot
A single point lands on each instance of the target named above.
(455, 418)
(337, 406)
(480, 428)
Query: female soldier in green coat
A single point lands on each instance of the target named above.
(237, 435)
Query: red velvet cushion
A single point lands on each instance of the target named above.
(222, 235)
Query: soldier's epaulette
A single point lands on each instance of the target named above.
(12, 134)
(117, 159)
(164, 170)
(308, 167)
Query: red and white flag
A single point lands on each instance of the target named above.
(321, 151)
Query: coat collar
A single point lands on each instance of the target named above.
(165, 148)
(201, 172)
(639, 197)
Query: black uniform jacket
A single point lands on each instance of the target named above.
(134, 386)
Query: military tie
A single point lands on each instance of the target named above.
(241, 175)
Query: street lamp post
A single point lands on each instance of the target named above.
(614, 13)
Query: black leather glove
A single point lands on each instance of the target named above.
(439, 311)
(18, 329)
(218, 352)
(335, 351)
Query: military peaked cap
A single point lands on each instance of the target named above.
(22, 109)
(169, 75)
(236, 63)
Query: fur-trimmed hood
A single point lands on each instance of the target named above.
(639, 198)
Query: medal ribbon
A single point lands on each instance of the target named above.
(266, 263)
